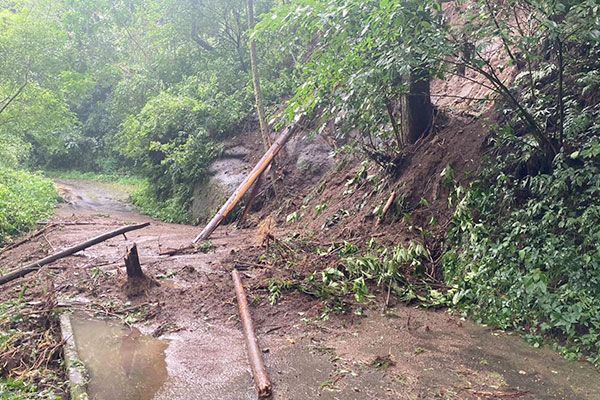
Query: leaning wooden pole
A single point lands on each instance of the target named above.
(259, 372)
(235, 198)
(253, 194)
(67, 252)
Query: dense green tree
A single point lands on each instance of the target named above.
(34, 85)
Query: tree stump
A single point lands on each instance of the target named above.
(137, 282)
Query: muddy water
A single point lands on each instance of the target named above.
(97, 197)
(121, 362)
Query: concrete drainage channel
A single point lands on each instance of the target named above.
(75, 368)
(108, 360)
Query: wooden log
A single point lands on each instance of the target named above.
(245, 185)
(259, 372)
(67, 252)
(172, 252)
(67, 223)
(28, 238)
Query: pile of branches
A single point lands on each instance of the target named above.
(31, 343)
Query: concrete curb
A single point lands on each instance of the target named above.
(75, 368)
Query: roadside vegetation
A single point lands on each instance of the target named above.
(25, 199)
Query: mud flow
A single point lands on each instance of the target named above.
(186, 341)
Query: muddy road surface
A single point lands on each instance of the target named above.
(184, 339)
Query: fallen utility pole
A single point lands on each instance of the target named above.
(259, 372)
(235, 198)
(253, 194)
(67, 252)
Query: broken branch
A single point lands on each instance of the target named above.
(28, 238)
(67, 252)
(386, 208)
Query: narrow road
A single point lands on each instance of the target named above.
(409, 353)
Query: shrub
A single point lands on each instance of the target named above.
(526, 253)
(25, 198)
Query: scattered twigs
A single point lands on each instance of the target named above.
(341, 243)
(172, 252)
(67, 252)
(28, 238)
(261, 378)
(133, 308)
(250, 264)
(49, 244)
(32, 347)
(497, 395)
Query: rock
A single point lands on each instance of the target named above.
(236, 152)
(209, 196)
(312, 155)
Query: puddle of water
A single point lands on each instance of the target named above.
(121, 362)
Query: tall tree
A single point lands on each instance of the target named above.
(416, 110)
(260, 108)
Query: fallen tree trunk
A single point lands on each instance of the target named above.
(58, 223)
(67, 252)
(235, 198)
(172, 252)
(259, 372)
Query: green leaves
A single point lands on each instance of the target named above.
(25, 199)
(34, 114)
(530, 260)
(356, 62)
